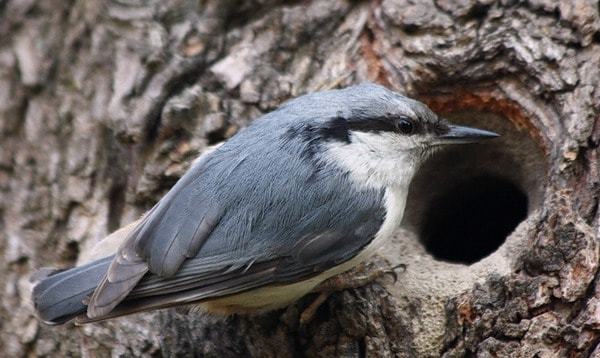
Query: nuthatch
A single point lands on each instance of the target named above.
(306, 192)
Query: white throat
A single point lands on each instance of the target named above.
(378, 161)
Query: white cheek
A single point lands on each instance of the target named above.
(376, 160)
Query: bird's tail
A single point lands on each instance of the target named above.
(59, 296)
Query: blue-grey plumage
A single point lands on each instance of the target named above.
(303, 193)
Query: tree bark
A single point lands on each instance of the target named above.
(103, 106)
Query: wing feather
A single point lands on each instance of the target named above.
(154, 247)
(238, 220)
(211, 277)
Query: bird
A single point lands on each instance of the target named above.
(304, 193)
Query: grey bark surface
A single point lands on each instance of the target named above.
(103, 105)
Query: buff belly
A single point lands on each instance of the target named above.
(272, 297)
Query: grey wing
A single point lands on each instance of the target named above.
(236, 221)
(173, 230)
(199, 278)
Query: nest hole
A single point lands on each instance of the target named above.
(471, 220)
(467, 199)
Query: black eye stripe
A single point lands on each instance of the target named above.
(339, 128)
(385, 124)
(373, 125)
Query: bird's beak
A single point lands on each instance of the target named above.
(460, 134)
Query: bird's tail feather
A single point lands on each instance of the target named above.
(59, 296)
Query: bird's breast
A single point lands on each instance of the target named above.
(394, 203)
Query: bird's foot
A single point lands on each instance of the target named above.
(362, 275)
(309, 312)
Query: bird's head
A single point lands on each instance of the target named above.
(379, 136)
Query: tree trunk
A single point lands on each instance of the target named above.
(103, 105)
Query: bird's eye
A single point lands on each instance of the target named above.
(405, 125)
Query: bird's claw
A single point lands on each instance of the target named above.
(360, 276)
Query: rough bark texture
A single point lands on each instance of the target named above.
(104, 104)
